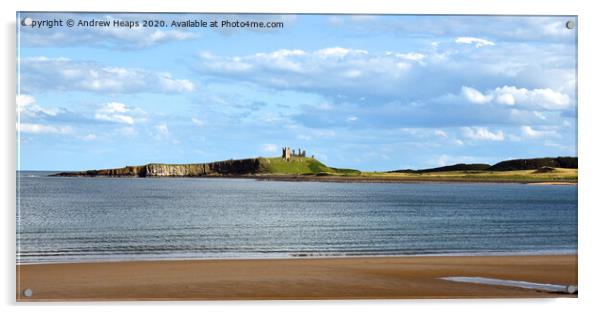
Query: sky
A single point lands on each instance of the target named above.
(369, 92)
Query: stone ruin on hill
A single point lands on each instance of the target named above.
(287, 153)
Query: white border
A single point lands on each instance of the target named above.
(589, 152)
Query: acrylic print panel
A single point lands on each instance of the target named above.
(237, 156)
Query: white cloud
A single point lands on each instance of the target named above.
(27, 106)
(393, 75)
(351, 119)
(336, 52)
(269, 148)
(529, 132)
(413, 56)
(440, 133)
(505, 99)
(542, 98)
(118, 113)
(168, 83)
(540, 115)
(474, 96)
(69, 75)
(458, 142)
(478, 42)
(323, 68)
(89, 137)
(280, 59)
(482, 133)
(352, 73)
(198, 122)
(24, 101)
(43, 129)
(163, 130)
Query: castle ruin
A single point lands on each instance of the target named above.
(287, 153)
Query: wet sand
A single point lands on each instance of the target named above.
(301, 278)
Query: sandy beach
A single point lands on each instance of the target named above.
(302, 278)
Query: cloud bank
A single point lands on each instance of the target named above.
(40, 74)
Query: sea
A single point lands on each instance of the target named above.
(78, 219)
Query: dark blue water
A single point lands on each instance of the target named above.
(75, 219)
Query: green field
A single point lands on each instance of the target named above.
(297, 166)
(557, 174)
(300, 166)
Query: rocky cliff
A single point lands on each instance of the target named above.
(218, 168)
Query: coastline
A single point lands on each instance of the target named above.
(301, 168)
(353, 179)
(286, 256)
(386, 277)
(553, 183)
(411, 180)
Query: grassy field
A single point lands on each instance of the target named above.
(300, 166)
(557, 174)
(297, 165)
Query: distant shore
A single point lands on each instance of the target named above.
(385, 178)
(301, 278)
(300, 168)
(401, 179)
(553, 183)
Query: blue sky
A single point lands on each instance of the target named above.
(364, 92)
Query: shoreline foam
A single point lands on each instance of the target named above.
(269, 256)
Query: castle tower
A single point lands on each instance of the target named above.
(286, 153)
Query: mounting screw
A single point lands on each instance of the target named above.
(27, 293)
(571, 289)
(570, 24)
(26, 21)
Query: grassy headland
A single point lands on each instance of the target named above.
(296, 165)
(539, 170)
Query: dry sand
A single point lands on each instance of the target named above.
(301, 278)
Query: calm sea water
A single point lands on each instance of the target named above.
(77, 219)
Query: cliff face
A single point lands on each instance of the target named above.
(227, 167)
(219, 168)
